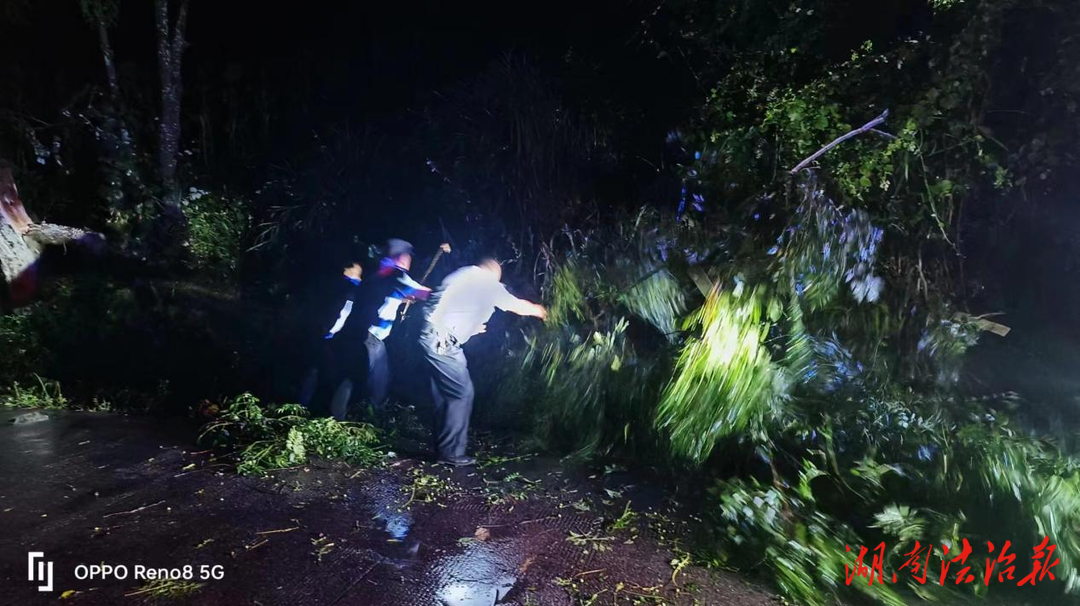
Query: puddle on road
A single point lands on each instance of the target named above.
(483, 573)
(36, 438)
(387, 510)
(467, 594)
(400, 548)
(397, 524)
(479, 576)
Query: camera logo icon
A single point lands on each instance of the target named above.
(42, 573)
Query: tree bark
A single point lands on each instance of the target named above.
(22, 243)
(18, 269)
(170, 43)
(110, 63)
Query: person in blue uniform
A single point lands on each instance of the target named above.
(457, 311)
(338, 309)
(363, 335)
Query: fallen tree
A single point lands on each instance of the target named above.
(23, 242)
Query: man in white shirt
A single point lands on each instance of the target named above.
(458, 310)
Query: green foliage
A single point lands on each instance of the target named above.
(25, 354)
(658, 299)
(1044, 487)
(44, 394)
(825, 359)
(808, 372)
(780, 103)
(802, 547)
(426, 487)
(627, 519)
(265, 438)
(725, 382)
(587, 384)
(104, 12)
(824, 247)
(593, 391)
(510, 488)
(218, 228)
(51, 339)
(922, 469)
(568, 302)
(869, 414)
(946, 340)
(816, 378)
(122, 343)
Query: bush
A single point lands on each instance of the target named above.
(848, 421)
(594, 372)
(24, 353)
(593, 392)
(265, 438)
(43, 394)
(218, 228)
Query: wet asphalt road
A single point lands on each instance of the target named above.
(131, 492)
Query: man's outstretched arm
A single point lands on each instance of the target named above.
(521, 307)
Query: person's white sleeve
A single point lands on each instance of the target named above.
(412, 288)
(342, 316)
(508, 302)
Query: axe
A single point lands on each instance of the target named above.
(443, 249)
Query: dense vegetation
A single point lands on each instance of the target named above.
(816, 373)
(791, 341)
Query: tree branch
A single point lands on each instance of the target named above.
(869, 126)
(136, 510)
(881, 133)
(50, 234)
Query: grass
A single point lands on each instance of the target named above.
(46, 394)
(49, 395)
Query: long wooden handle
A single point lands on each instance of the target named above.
(431, 267)
(423, 278)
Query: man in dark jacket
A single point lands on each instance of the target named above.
(341, 300)
(370, 323)
(458, 310)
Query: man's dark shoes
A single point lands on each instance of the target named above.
(457, 461)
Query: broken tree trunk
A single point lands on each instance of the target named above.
(22, 243)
